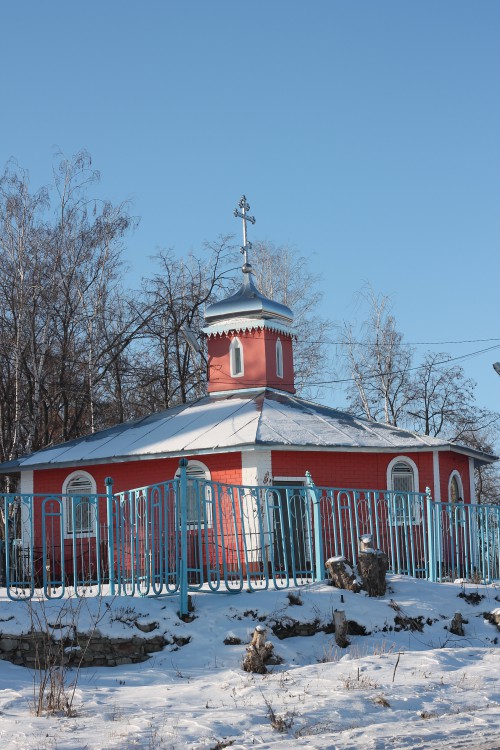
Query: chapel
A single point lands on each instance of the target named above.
(251, 429)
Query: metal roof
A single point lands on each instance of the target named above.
(247, 302)
(236, 421)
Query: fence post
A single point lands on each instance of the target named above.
(111, 539)
(431, 572)
(319, 562)
(183, 583)
(3, 577)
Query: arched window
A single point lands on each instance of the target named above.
(198, 493)
(455, 488)
(402, 479)
(279, 358)
(236, 358)
(455, 497)
(79, 510)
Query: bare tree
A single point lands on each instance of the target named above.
(378, 363)
(176, 296)
(441, 398)
(60, 285)
(86, 250)
(283, 275)
(432, 398)
(24, 325)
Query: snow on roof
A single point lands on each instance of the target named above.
(235, 420)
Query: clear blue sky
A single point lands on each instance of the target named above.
(366, 134)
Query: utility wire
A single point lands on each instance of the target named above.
(412, 343)
(247, 334)
(402, 343)
(390, 372)
(410, 369)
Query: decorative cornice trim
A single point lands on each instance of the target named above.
(241, 325)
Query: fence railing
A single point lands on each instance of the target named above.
(182, 534)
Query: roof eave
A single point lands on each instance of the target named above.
(480, 459)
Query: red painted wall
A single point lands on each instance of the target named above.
(259, 361)
(449, 462)
(349, 470)
(133, 474)
(369, 470)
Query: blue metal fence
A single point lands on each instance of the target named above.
(183, 534)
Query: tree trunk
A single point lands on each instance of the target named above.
(259, 652)
(372, 567)
(342, 575)
(340, 622)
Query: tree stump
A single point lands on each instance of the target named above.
(341, 626)
(365, 542)
(259, 652)
(493, 617)
(342, 575)
(457, 624)
(372, 567)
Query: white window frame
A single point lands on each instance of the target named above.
(456, 474)
(415, 514)
(279, 358)
(457, 515)
(236, 345)
(91, 530)
(200, 469)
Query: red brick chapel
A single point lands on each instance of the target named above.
(251, 428)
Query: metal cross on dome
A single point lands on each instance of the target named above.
(243, 215)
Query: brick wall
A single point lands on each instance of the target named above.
(128, 475)
(359, 470)
(259, 361)
(449, 462)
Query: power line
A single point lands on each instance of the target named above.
(391, 372)
(403, 343)
(410, 369)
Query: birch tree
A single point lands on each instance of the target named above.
(431, 396)
(24, 323)
(60, 285)
(284, 276)
(378, 362)
(441, 398)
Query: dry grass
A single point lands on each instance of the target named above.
(358, 682)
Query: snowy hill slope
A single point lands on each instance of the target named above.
(407, 683)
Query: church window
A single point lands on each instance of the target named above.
(279, 358)
(236, 358)
(455, 490)
(79, 508)
(402, 480)
(402, 477)
(456, 510)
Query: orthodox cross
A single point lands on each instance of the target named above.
(243, 215)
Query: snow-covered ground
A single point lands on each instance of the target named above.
(392, 688)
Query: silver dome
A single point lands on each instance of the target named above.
(248, 302)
